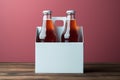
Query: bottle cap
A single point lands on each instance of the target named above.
(70, 11)
(47, 12)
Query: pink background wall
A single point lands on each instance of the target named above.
(100, 18)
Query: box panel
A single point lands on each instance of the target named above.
(59, 57)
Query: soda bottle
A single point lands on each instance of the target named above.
(47, 33)
(70, 33)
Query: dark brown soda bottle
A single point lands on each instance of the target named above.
(47, 33)
(70, 33)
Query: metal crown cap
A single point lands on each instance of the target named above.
(47, 12)
(70, 12)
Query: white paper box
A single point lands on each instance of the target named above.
(59, 57)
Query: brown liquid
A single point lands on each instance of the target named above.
(73, 33)
(50, 32)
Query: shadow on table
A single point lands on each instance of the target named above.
(102, 68)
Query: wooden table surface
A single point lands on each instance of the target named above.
(25, 71)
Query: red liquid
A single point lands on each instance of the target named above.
(73, 33)
(50, 32)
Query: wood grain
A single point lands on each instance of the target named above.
(26, 71)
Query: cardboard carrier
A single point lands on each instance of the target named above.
(59, 57)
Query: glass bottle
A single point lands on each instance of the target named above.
(47, 33)
(70, 33)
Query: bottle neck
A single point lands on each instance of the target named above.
(47, 22)
(71, 17)
(47, 17)
(71, 22)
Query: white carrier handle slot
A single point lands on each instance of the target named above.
(59, 19)
(59, 29)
